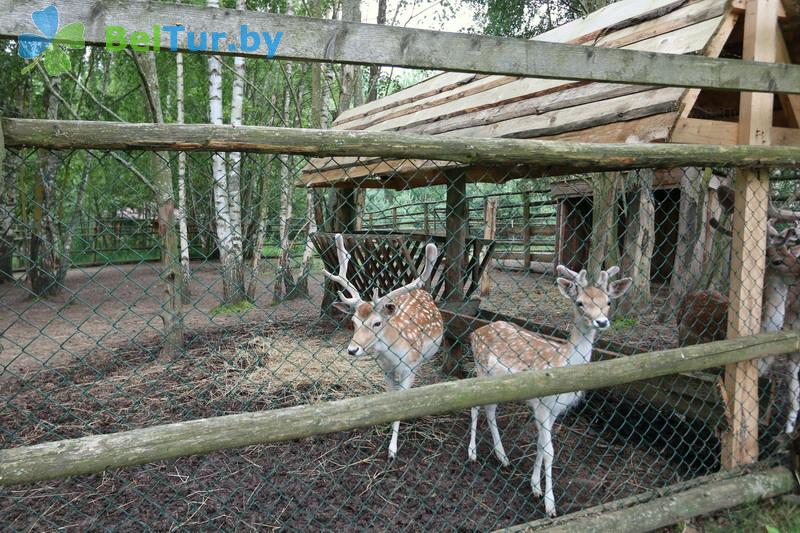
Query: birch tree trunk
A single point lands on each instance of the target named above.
(229, 240)
(183, 230)
(171, 309)
(639, 241)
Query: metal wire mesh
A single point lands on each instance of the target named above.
(83, 346)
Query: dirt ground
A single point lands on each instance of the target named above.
(93, 369)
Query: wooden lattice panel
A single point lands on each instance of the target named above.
(386, 261)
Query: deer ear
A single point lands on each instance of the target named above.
(567, 288)
(619, 287)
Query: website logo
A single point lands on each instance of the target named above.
(118, 38)
(43, 48)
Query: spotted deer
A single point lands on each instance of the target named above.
(402, 329)
(703, 315)
(503, 348)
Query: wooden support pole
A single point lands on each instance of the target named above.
(394, 218)
(489, 231)
(526, 231)
(426, 221)
(740, 441)
(456, 233)
(87, 455)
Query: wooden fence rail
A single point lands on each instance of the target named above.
(97, 453)
(67, 135)
(370, 44)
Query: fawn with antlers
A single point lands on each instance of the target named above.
(703, 315)
(402, 329)
(503, 348)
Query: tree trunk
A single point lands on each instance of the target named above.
(8, 189)
(489, 230)
(639, 241)
(375, 70)
(604, 248)
(183, 230)
(172, 271)
(229, 238)
(284, 281)
(46, 250)
(688, 266)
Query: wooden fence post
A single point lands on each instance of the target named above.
(489, 231)
(526, 230)
(457, 232)
(426, 221)
(394, 217)
(740, 441)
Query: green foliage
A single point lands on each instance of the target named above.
(623, 323)
(779, 515)
(231, 309)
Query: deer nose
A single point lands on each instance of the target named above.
(352, 350)
(601, 323)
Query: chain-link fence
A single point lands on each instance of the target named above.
(250, 325)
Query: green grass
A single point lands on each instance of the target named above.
(230, 309)
(623, 322)
(779, 515)
(273, 250)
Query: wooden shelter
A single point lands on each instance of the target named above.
(474, 105)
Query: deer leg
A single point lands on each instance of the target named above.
(473, 448)
(547, 451)
(540, 413)
(405, 383)
(794, 392)
(491, 416)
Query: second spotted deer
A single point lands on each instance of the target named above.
(504, 348)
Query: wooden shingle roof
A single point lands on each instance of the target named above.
(475, 105)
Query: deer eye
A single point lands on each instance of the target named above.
(376, 324)
(579, 304)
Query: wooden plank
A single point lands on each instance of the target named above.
(671, 506)
(550, 101)
(748, 245)
(437, 83)
(367, 44)
(579, 117)
(739, 7)
(702, 131)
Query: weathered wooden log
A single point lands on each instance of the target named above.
(667, 510)
(69, 135)
(97, 453)
(372, 44)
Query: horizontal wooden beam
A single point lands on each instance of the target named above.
(68, 135)
(673, 506)
(93, 454)
(704, 131)
(367, 44)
